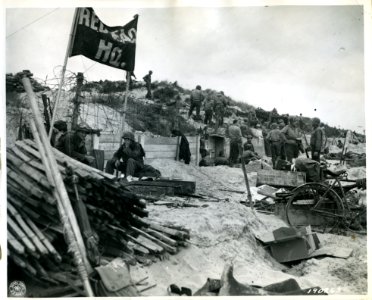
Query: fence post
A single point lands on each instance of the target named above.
(197, 150)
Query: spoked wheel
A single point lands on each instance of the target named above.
(357, 219)
(315, 204)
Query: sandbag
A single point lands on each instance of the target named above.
(310, 167)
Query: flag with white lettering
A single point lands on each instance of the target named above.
(112, 46)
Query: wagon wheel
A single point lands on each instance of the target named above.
(315, 204)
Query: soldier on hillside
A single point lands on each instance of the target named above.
(147, 79)
(219, 108)
(174, 106)
(292, 138)
(208, 109)
(235, 136)
(316, 140)
(196, 100)
(276, 141)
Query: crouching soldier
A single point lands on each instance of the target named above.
(72, 143)
(129, 160)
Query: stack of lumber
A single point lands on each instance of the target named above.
(118, 216)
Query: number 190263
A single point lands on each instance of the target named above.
(324, 291)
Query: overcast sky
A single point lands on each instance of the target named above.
(299, 59)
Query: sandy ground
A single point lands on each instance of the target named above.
(224, 232)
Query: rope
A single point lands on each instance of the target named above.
(38, 19)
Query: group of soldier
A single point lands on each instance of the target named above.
(284, 141)
(128, 159)
(214, 104)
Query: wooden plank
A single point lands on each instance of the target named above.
(148, 244)
(177, 148)
(160, 140)
(181, 187)
(99, 156)
(278, 178)
(197, 152)
(163, 140)
(162, 244)
(152, 190)
(161, 148)
(168, 154)
(161, 236)
(109, 146)
(109, 138)
(109, 154)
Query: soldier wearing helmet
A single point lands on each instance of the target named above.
(219, 108)
(147, 80)
(73, 144)
(129, 159)
(59, 129)
(291, 137)
(316, 140)
(196, 99)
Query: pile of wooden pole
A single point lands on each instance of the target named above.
(45, 225)
(115, 214)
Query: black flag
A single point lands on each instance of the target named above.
(112, 46)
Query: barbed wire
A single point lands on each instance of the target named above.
(94, 109)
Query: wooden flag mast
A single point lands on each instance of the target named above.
(124, 111)
(71, 38)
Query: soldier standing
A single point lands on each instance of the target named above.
(147, 79)
(208, 110)
(219, 108)
(316, 140)
(196, 99)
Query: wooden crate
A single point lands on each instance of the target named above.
(180, 187)
(278, 178)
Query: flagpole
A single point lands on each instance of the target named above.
(72, 35)
(124, 111)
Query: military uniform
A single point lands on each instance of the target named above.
(73, 144)
(196, 99)
(147, 80)
(208, 109)
(291, 136)
(131, 160)
(219, 109)
(235, 142)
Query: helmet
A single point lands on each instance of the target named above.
(60, 125)
(316, 121)
(198, 87)
(84, 127)
(128, 135)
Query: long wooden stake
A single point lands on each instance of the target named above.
(68, 51)
(342, 158)
(68, 218)
(124, 112)
(249, 195)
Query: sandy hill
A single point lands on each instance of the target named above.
(143, 115)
